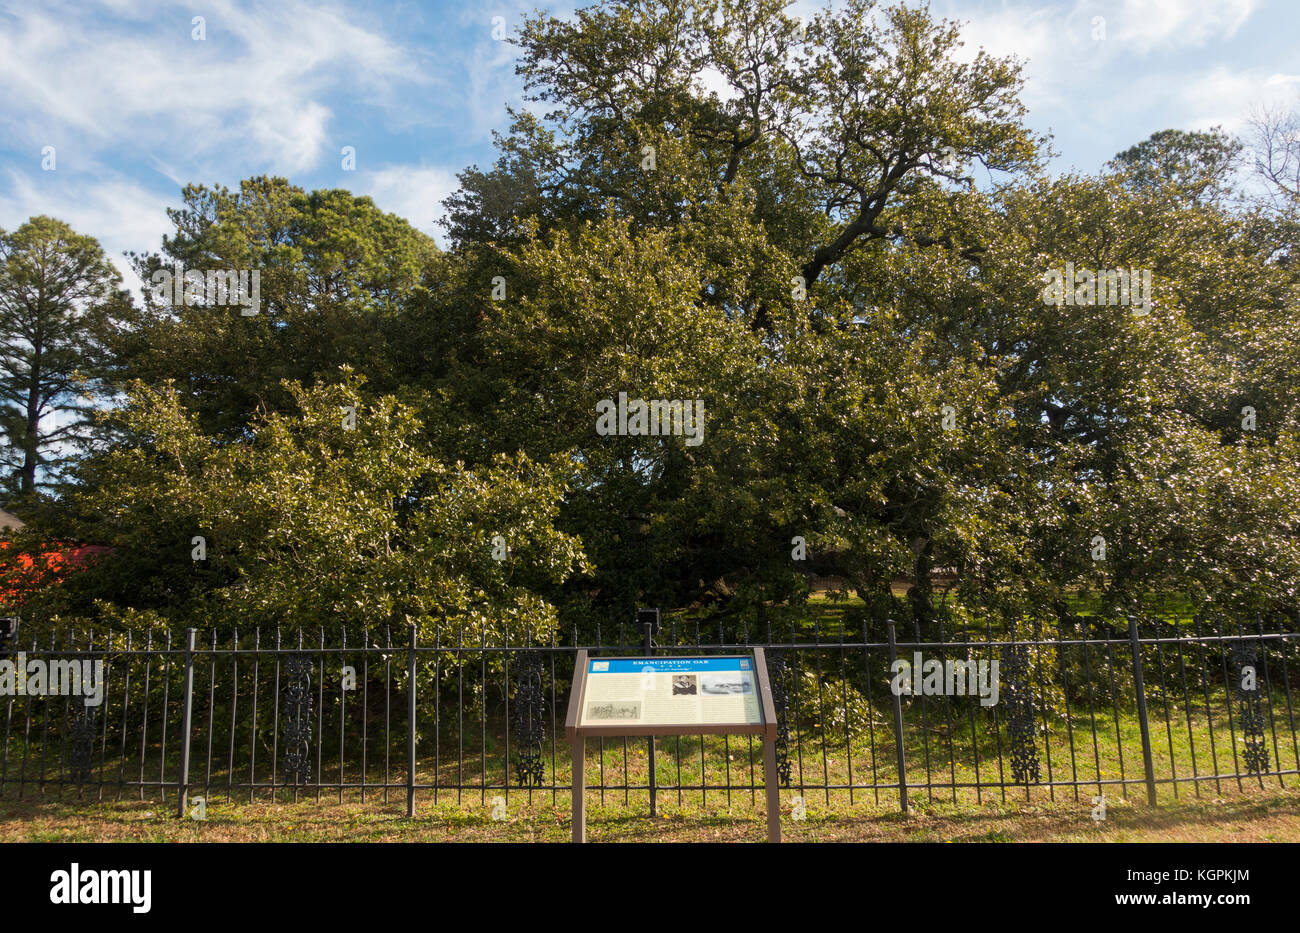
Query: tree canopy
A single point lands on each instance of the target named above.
(839, 238)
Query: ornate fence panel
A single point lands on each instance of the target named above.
(344, 718)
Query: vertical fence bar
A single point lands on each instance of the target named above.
(704, 792)
(997, 719)
(252, 742)
(126, 691)
(871, 713)
(1164, 698)
(183, 788)
(821, 709)
(320, 712)
(275, 717)
(1268, 693)
(437, 701)
(1065, 692)
(974, 729)
(1114, 708)
(212, 728)
(648, 632)
(108, 695)
(388, 707)
(144, 716)
(1140, 689)
(234, 708)
(343, 703)
(166, 708)
(1042, 693)
(410, 726)
(1290, 712)
(64, 776)
(947, 712)
(365, 707)
(460, 711)
(482, 717)
(1209, 710)
(505, 674)
(27, 736)
(1187, 711)
(4, 749)
(925, 723)
(1224, 651)
(898, 725)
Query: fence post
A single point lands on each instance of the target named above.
(1140, 688)
(183, 791)
(898, 727)
(410, 726)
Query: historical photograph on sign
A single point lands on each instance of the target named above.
(684, 685)
(614, 711)
(729, 683)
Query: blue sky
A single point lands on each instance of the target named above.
(136, 107)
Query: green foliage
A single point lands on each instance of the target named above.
(1193, 166)
(310, 521)
(831, 706)
(341, 283)
(60, 304)
(804, 249)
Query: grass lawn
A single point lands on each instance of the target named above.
(1270, 815)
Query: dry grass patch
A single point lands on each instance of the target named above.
(1268, 815)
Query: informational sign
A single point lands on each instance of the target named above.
(711, 691)
(651, 696)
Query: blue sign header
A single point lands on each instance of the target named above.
(666, 665)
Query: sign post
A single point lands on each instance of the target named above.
(698, 695)
(648, 621)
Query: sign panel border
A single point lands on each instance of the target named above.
(573, 725)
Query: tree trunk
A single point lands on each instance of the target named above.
(32, 437)
(921, 593)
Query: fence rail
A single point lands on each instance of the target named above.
(1093, 706)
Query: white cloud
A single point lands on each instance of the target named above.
(259, 79)
(490, 82)
(1225, 98)
(1149, 72)
(1048, 33)
(297, 137)
(414, 193)
(1057, 45)
(1150, 24)
(1027, 34)
(120, 214)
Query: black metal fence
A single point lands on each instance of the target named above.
(1089, 707)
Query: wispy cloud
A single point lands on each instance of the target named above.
(136, 108)
(414, 193)
(121, 214)
(1102, 75)
(1225, 98)
(254, 90)
(1155, 24)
